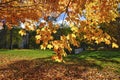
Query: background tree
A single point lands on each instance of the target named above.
(112, 29)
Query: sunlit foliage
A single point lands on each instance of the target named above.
(95, 12)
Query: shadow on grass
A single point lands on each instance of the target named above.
(106, 56)
(82, 62)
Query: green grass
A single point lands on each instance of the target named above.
(22, 54)
(26, 53)
(99, 59)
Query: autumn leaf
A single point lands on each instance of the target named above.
(74, 29)
(73, 35)
(38, 31)
(55, 58)
(38, 37)
(114, 45)
(22, 32)
(49, 46)
(43, 47)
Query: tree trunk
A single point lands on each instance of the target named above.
(11, 35)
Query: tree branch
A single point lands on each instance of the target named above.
(66, 10)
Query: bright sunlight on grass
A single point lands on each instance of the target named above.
(24, 54)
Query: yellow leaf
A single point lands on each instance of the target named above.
(85, 36)
(96, 42)
(38, 31)
(56, 59)
(37, 37)
(71, 25)
(49, 46)
(73, 35)
(107, 42)
(43, 29)
(54, 31)
(22, 32)
(74, 29)
(93, 38)
(43, 47)
(68, 37)
(114, 45)
(64, 54)
(56, 46)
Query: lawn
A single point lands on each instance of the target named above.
(37, 65)
(24, 54)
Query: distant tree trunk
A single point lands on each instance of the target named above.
(22, 43)
(1, 38)
(4, 36)
(118, 36)
(27, 40)
(11, 35)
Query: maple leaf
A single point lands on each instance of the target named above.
(38, 37)
(74, 29)
(73, 36)
(38, 31)
(43, 47)
(49, 46)
(114, 45)
(22, 32)
(56, 58)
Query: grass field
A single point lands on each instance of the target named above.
(24, 54)
(104, 63)
(99, 59)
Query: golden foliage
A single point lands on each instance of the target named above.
(114, 45)
(22, 32)
(95, 11)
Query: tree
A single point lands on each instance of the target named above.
(95, 11)
(112, 29)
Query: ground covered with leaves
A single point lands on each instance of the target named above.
(75, 68)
